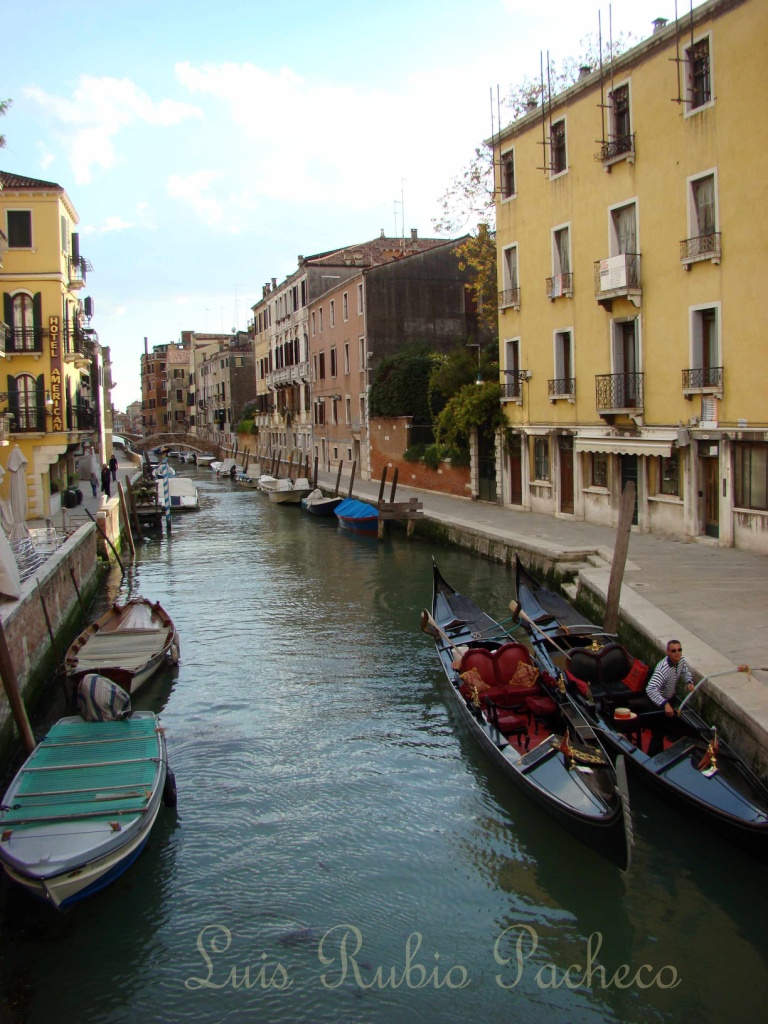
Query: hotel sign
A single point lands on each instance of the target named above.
(54, 334)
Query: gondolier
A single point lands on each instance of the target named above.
(662, 686)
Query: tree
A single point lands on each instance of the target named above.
(474, 406)
(400, 385)
(4, 105)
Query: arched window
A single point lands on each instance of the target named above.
(26, 402)
(23, 323)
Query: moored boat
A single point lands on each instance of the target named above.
(80, 809)
(289, 492)
(496, 687)
(317, 504)
(357, 516)
(697, 771)
(128, 644)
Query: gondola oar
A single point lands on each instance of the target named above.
(428, 625)
(712, 675)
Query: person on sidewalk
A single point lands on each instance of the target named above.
(106, 478)
(661, 689)
(113, 467)
(95, 485)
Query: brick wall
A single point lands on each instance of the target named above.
(389, 439)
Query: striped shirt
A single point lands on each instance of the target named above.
(662, 685)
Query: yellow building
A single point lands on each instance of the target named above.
(56, 377)
(629, 250)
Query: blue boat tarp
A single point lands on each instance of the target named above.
(350, 508)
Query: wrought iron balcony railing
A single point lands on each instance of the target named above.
(617, 275)
(616, 149)
(512, 390)
(562, 387)
(24, 339)
(509, 298)
(703, 247)
(78, 271)
(560, 286)
(709, 378)
(615, 392)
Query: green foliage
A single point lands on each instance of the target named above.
(4, 104)
(401, 384)
(478, 256)
(476, 405)
(415, 453)
(451, 371)
(245, 426)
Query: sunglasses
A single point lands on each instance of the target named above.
(675, 650)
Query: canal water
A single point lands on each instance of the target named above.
(341, 851)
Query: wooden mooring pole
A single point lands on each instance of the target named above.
(620, 548)
(11, 685)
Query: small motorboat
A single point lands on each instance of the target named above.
(182, 492)
(243, 480)
(357, 516)
(80, 809)
(317, 504)
(202, 460)
(128, 644)
(226, 468)
(289, 492)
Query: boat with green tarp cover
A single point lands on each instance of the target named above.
(80, 809)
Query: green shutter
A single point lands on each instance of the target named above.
(13, 399)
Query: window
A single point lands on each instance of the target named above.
(752, 475)
(621, 131)
(346, 357)
(698, 75)
(361, 354)
(703, 240)
(333, 362)
(561, 282)
(334, 414)
(703, 196)
(332, 314)
(320, 319)
(626, 359)
(706, 366)
(511, 386)
(558, 157)
(348, 410)
(541, 458)
(623, 230)
(25, 333)
(508, 175)
(345, 306)
(360, 298)
(25, 402)
(669, 475)
(19, 229)
(66, 240)
(314, 325)
(563, 384)
(598, 469)
(362, 408)
(322, 366)
(510, 296)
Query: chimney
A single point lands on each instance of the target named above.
(584, 71)
(274, 283)
(146, 348)
(382, 235)
(658, 24)
(531, 104)
(414, 234)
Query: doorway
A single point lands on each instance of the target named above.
(515, 448)
(486, 467)
(565, 449)
(711, 482)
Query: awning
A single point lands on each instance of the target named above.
(624, 446)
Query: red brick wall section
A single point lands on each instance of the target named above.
(389, 439)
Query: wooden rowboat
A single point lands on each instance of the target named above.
(357, 516)
(697, 772)
(128, 644)
(80, 809)
(567, 771)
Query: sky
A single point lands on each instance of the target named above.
(206, 145)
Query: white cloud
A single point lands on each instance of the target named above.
(97, 111)
(194, 189)
(106, 226)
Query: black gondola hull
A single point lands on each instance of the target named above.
(731, 802)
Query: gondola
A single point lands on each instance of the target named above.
(493, 684)
(697, 771)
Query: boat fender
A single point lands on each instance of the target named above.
(174, 653)
(170, 795)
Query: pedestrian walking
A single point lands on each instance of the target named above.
(113, 467)
(105, 479)
(94, 484)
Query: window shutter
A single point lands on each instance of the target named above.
(13, 398)
(40, 402)
(37, 320)
(8, 309)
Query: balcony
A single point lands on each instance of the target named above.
(512, 391)
(622, 148)
(509, 298)
(704, 247)
(562, 387)
(560, 287)
(618, 277)
(24, 341)
(703, 381)
(617, 393)
(79, 267)
(76, 346)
